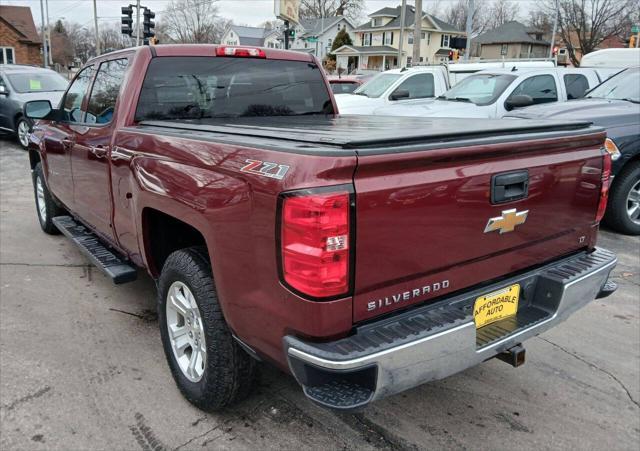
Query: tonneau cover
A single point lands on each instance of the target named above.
(355, 132)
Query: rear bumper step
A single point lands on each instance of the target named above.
(106, 260)
(438, 340)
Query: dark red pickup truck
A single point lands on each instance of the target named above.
(364, 255)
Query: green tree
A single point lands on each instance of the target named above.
(342, 38)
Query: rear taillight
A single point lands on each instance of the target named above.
(604, 187)
(246, 52)
(315, 241)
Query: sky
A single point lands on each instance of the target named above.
(247, 12)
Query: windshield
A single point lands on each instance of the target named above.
(37, 82)
(481, 89)
(216, 87)
(377, 85)
(623, 86)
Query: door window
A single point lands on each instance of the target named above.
(541, 88)
(72, 104)
(419, 86)
(102, 101)
(576, 85)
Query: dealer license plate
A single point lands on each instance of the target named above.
(496, 305)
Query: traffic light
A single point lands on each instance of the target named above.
(127, 20)
(148, 24)
(555, 51)
(291, 33)
(632, 42)
(450, 55)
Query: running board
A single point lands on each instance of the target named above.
(106, 260)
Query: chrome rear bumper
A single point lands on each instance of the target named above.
(435, 341)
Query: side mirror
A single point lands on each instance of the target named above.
(518, 101)
(4, 91)
(399, 94)
(37, 109)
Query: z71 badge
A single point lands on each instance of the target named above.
(266, 169)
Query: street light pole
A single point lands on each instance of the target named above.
(49, 34)
(44, 38)
(471, 8)
(95, 22)
(553, 34)
(417, 33)
(400, 44)
(137, 23)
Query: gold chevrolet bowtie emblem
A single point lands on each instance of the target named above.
(507, 222)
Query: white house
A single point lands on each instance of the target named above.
(377, 41)
(316, 35)
(253, 36)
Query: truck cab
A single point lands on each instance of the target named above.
(395, 87)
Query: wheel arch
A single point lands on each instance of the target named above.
(163, 234)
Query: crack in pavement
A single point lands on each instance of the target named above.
(593, 365)
(203, 434)
(26, 398)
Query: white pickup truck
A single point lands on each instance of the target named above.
(395, 87)
(494, 93)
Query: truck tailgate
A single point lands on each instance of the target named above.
(423, 215)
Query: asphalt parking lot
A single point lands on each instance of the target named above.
(82, 367)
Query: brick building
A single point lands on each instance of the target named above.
(19, 40)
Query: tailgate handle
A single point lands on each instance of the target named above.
(509, 186)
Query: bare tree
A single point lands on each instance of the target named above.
(501, 12)
(456, 14)
(584, 24)
(192, 21)
(111, 37)
(313, 9)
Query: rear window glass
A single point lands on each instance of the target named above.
(210, 87)
(37, 82)
(343, 88)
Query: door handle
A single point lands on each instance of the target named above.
(67, 142)
(509, 186)
(98, 151)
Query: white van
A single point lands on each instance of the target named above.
(613, 58)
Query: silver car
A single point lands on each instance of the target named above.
(19, 84)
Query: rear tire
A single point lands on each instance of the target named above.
(46, 207)
(623, 210)
(191, 321)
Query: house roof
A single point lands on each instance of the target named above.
(379, 49)
(510, 32)
(20, 18)
(409, 19)
(251, 35)
(315, 27)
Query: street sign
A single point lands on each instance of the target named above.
(635, 29)
(287, 10)
(312, 39)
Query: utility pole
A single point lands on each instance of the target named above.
(553, 33)
(401, 42)
(137, 22)
(417, 33)
(95, 23)
(286, 35)
(49, 34)
(471, 9)
(44, 38)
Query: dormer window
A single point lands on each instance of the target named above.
(375, 22)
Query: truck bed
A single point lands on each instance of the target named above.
(367, 134)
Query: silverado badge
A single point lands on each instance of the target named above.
(506, 222)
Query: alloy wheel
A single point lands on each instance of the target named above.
(633, 203)
(42, 206)
(23, 133)
(186, 331)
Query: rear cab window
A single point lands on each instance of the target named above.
(576, 85)
(179, 88)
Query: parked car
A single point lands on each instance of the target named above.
(614, 105)
(395, 86)
(19, 84)
(494, 93)
(364, 255)
(344, 84)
